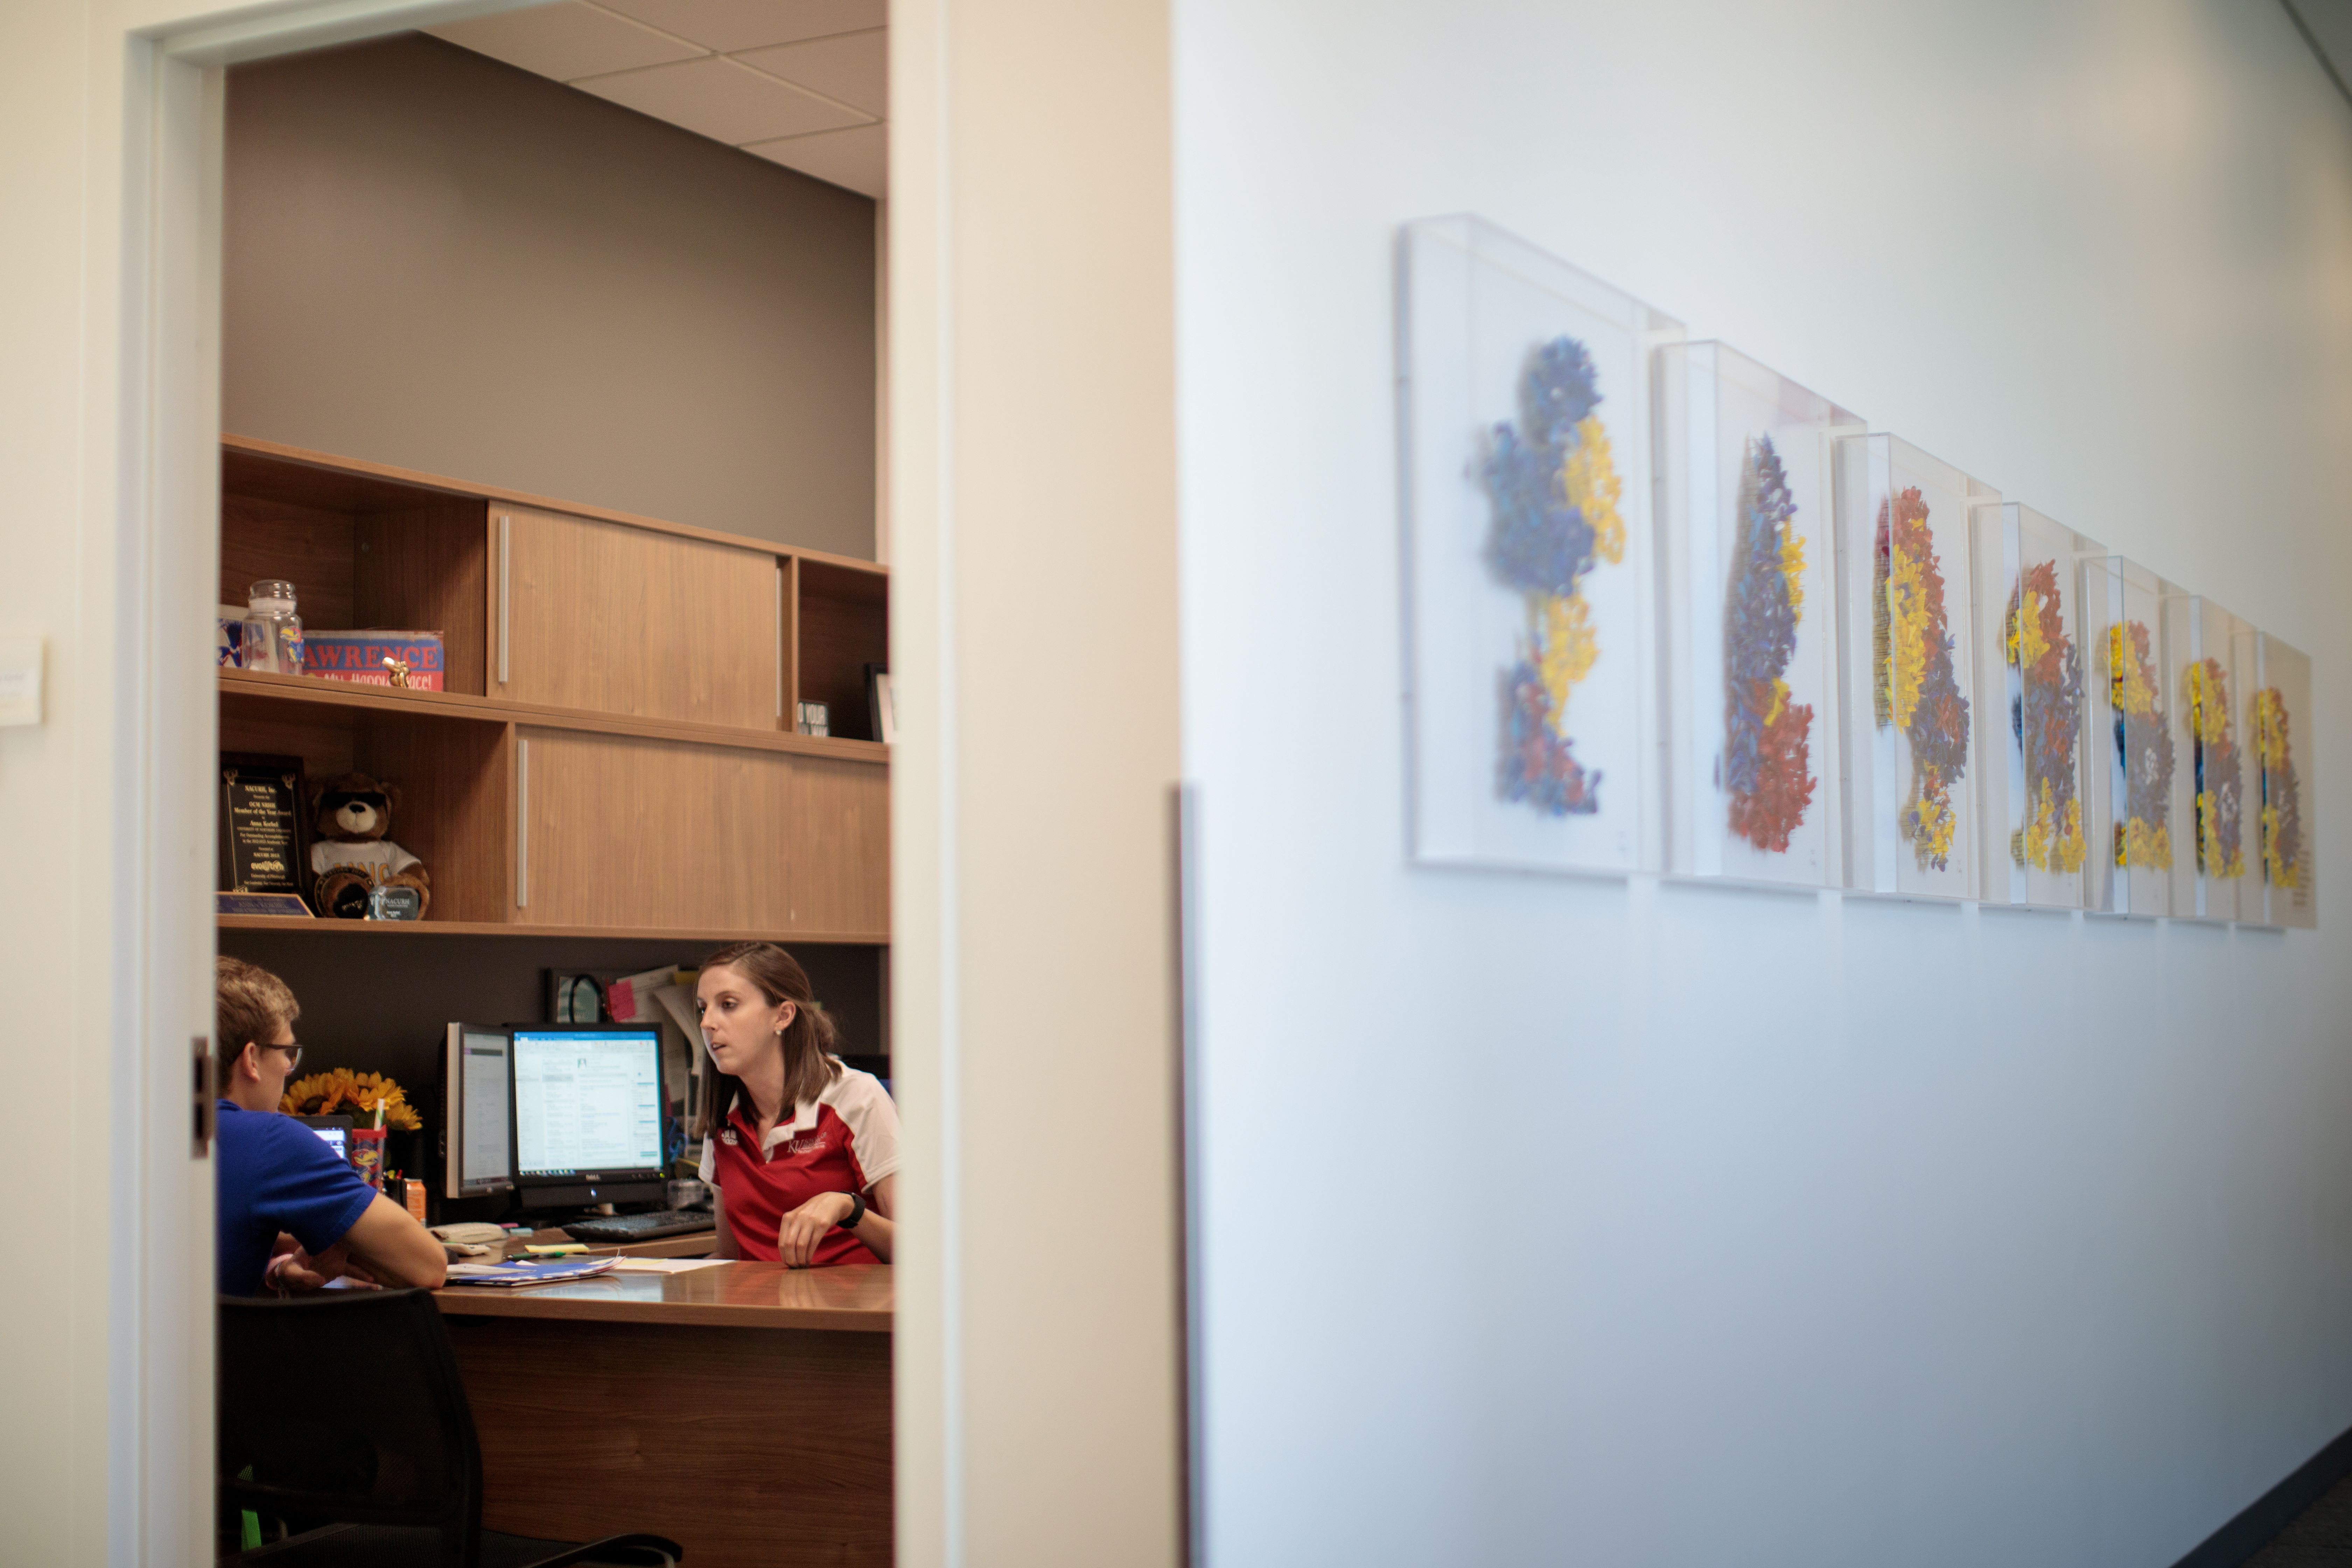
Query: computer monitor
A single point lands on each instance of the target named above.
(477, 1127)
(587, 1103)
(335, 1131)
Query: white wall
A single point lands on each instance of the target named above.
(1561, 1221)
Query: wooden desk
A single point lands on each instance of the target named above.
(743, 1409)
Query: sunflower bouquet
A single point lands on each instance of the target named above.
(343, 1092)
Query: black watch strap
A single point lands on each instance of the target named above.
(856, 1213)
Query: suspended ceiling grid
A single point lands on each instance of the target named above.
(804, 83)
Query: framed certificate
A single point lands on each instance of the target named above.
(265, 832)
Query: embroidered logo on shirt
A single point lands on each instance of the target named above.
(728, 1137)
(814, 1145)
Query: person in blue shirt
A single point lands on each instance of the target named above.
(292, 1213)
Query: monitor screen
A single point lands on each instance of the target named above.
(339, 1139)
(587, 1102)
(485, 1162)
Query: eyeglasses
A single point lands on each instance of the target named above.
(293, 1055)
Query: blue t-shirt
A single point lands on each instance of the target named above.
(273, 1174)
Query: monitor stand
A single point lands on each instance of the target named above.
(580, 1195)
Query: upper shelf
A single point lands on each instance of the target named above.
(519, 929)
(462, 707)
(297, 476)
(729, 635)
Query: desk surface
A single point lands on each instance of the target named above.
(856, 1297)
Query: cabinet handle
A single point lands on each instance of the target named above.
(506, 592)
(523, 826)
(780, 639)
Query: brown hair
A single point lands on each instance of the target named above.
(808, 1039)
(249, 1006)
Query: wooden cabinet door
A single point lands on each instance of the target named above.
(629, 621)
(627, 833)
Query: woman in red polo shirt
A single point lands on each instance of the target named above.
(801, 1150)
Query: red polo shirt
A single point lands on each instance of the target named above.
(843, 1140)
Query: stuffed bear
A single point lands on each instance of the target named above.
(349, 855)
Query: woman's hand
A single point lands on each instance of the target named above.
(806, 1225)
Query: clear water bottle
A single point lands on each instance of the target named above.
(273, 632)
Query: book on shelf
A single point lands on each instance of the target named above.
(365, 658)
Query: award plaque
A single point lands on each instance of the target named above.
(265, 836)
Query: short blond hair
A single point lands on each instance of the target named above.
(249, 1006)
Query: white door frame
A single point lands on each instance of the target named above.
(146, 594)
(1027, 1383)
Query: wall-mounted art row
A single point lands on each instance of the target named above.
(1526, 402)
(1668, 610)
(1750, 681)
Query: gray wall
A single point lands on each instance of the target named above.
(438, 262)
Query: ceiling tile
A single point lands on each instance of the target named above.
(859, 159)
(566, 40)
(854, 67)
(735, 25)
(720, 99)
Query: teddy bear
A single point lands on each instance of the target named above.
(350, 856)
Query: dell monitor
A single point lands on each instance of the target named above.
(477, 1128)
(587, 1109)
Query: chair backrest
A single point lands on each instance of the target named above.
(347, 1405)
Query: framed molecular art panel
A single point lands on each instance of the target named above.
(2280, 723)
(2029, 735)
(1750, 688)
(2211, 654)
(1908, 655)
(1530, 596)
(2131, 761)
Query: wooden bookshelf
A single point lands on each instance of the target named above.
(615, 755)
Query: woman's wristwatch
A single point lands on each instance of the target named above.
(856, 1213)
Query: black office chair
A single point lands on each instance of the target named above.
(390, 1474)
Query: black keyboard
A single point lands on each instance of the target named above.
(629, 1227)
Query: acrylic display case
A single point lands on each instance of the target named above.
(1750, 688)
(2211, 654)
(2031, 750)
(2131, 757)
(1906, 654)
(1530, 594)
(2279, 725)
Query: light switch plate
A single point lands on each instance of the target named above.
(20, 680)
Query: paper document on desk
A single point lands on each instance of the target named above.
(662, 1265)
(546, 1273)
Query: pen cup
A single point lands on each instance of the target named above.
(367, 1155)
